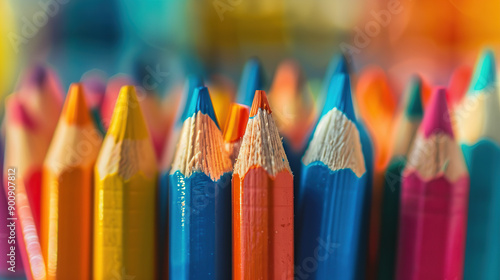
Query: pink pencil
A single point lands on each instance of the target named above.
(434, 198)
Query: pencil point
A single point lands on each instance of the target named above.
(75, 110)
(201, 102)
(338, 65)
(192, 82)
(484, 76)
(437, 117)
(414, 107)
(37, 75)
(339, 96)
(260, 102)
(237, 123)
(127, 121)
(252, 79)
(95, 88)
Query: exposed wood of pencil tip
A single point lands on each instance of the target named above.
(435, 151)
(261, 145)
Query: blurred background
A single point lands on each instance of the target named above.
(172, 38)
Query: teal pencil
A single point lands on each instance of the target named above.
(477, 120)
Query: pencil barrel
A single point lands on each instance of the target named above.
(331, 221)
(263, 246)
(68, 223)
(200, 227)
(432, 228)
(482, 252)
(124, 227)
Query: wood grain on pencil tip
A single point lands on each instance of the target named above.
(262, 201)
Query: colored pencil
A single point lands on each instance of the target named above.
(95, 88)
(477, 118)
(125, 196)
(200, 197)
(295, 113)
(24, 152)
(377, 106)
(458, 85)
(403, 134)
(192, 82)
(434, 195)
(262, 201)
(252, 79)
(41, 95)
(222, 93)
(11, 267)
(67, 191)
(235, 129)
(332, 193)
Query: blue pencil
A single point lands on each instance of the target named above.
(200, 197)
(252, 79)
(192, 82)
(332, 217)
(478, 117)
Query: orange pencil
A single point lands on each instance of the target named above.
(235, 129)
(67, 191)
(262, 201)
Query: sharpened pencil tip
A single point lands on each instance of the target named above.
(339, 64)
(37, 75)
(75, 110)
(339, 96)
(260, 102)
(437, 117)
(414, 107)
(236, 123)
(192, 82)
(127, 121)
(252, 79)
(484, 76)
(201, 102)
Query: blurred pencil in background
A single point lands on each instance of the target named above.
(262, 201)
(200, 197)
(477, 118)
(41, 95)
(332, 196)
(377, 106)
(434, 196)
(125, 196)
(252, 79)
(294, 111)
(7, 233)
(67, 191)
(24, 152)
(405, 129)
(94, 83)
(235, 129)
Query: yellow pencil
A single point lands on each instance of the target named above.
(66, 224)
(125, 188)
